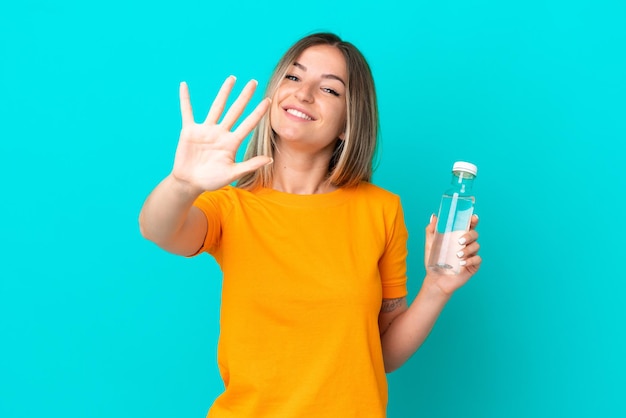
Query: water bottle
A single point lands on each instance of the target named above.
(453, 220)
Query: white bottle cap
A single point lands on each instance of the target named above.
(465, 167)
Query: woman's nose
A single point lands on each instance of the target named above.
(305, 93)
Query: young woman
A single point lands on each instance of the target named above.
(313, 255)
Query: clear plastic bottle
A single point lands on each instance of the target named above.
(453, 220)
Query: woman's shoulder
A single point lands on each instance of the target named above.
(376, 198)
(375, 191)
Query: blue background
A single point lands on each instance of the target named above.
(97, 322)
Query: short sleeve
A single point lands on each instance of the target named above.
(392, 264)
(212, 204)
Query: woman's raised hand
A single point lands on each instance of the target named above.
(206, 152)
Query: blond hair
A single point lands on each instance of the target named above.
(352, 159)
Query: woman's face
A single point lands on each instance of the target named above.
(308, 109)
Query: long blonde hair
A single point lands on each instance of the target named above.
(352, 159)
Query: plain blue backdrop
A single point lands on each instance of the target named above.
(97, 322)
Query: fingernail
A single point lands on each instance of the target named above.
(476, 216)
(462, 263)
(460, 254)
(462, 241)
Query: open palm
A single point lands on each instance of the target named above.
(206, 152)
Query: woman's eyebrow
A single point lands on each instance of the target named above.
(331, 76)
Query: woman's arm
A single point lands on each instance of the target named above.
(205, 160)
(408, 327)
(404, 328)
(169, 220)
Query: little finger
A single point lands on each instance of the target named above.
(472, 264)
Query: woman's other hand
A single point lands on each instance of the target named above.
(469, 259)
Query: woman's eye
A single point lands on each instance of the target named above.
(331, 91)
(291, 77)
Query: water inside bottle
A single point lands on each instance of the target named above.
(443, 252)
(453, 222)
(455, 213)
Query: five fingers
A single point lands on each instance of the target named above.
(219, 104)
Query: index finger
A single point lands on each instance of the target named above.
(185, 104)
(473, 221)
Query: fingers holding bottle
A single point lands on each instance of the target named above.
(468, 255)
(471, 264)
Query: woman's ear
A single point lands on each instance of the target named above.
(342, 135)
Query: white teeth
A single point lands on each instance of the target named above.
(299, 114)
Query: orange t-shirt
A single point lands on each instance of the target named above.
(303, 281)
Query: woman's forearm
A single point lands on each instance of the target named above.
(165, 213)
(410, 329)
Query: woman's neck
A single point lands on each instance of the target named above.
(301, 175)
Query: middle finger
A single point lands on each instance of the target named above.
(469, 237)
(237, 108)
(217, 107)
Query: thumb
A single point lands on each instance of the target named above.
(253, 164)
(430, 228)
(430, 234)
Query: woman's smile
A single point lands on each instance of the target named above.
(299, 114)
